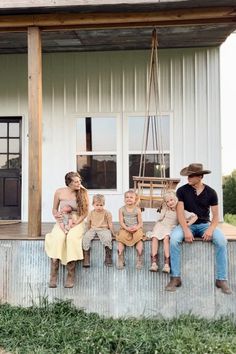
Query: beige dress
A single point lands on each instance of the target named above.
(167, 221)
(68, 247)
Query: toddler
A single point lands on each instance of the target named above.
(99, 224)
(162, 229)
(131, 232)
(67, 220)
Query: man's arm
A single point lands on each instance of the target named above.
(188, 236)
(207, 236)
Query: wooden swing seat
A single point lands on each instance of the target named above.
(151, 190)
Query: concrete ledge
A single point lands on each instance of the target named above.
(24, 269)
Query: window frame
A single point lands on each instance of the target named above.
(127, 152)
(117, 152)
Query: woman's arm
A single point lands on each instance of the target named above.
(56, 201)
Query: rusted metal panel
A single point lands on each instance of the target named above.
(110, 292)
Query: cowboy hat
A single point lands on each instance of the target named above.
(194, 169)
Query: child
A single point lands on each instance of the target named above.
(131, 232)
(67, 221)
(162, 229)
(99, 223)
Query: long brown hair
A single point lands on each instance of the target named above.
(81, 194)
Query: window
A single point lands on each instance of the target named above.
(96, 140)
(10, 150)
(157, 153)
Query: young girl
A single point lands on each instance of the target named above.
(131, 232)
(162, 229)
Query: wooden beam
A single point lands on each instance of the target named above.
(120, 19)
(35, 130)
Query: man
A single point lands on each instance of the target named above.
(199, 198)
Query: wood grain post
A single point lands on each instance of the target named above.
(35, 130)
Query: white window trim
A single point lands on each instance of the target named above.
(118, 151)
(127, 152)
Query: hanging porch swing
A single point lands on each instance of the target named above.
(152, 189)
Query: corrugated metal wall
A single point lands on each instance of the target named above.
(24, 269)
(114, 83)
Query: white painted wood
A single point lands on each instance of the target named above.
(55, 3)
(90, 84)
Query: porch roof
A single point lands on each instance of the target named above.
(78, 25)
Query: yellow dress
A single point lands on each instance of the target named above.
(68, 247)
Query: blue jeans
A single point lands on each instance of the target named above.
(218, 239)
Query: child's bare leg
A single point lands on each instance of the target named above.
(121, 260)
(154, 246)
(166, 245)
(154, 255)
(121, 247)
(62, 226)
(139, 261)
(139, 247)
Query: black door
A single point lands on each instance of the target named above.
(10, 168)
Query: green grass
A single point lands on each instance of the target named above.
(230, 219)
(60, 328)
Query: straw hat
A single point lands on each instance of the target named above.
(194, 169)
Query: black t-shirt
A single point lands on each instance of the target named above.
(198, 204)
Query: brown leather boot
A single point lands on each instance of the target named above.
(223, 285)
(174, 283)
(70, 274)
(54, 272)
(120, 261)
(166, 268)
(139, 261)
(154, 261)
(108, 257)
(86, 260)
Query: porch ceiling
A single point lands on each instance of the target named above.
(115, 25)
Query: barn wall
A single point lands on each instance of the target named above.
(114, 84)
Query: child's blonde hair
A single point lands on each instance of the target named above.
(99, 198)
(167, 195)
(131, 191)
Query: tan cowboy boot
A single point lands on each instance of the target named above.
(54, 272)
(166, 268)
(154, 266)
(223, 285)
(70, 274)
(86, 260)
(108, 257)
(174, 283)
(120, 261)
(139, 261)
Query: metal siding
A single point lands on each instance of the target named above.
(80, 84)
(110, 292)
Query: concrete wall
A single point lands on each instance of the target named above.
(24, 270)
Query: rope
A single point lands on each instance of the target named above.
(153, 121)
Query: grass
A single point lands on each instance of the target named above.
(60, 328)
(230, 218)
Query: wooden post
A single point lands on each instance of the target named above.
(35, 130)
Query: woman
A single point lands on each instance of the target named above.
(67, 247)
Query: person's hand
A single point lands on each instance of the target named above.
(207, 236)
(133, 228)
(188, 236)
(58, 216)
